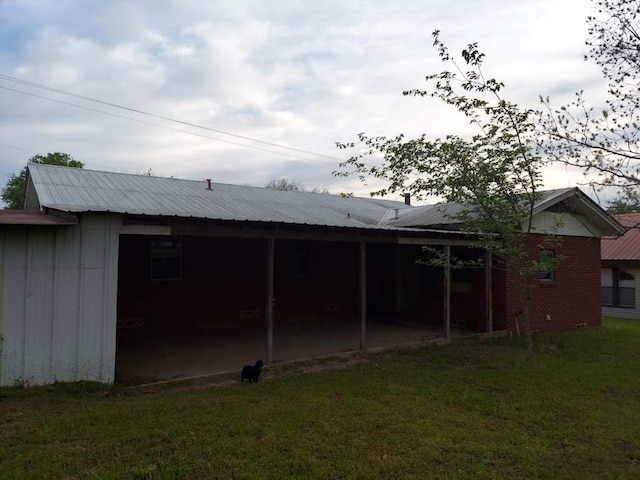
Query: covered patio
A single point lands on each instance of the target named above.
(190, 355)
(206, 300)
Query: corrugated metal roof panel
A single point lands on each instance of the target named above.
(552, 196)
(624, 247)
(448, 213)
(80, 190)
(441, 214)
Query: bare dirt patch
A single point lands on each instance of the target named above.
(269, 372)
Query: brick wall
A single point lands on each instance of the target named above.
(572, 298)
(219, 278)
(223, 284)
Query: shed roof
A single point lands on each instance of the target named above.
(79, 190)
(627, 246)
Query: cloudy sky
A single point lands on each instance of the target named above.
(257, 74)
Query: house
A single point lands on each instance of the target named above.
(621, 270)
(109, 276)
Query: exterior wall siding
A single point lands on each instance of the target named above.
(620, 312)
(58, 291)
(626, 312)
(223, 279)
(565, 224)
(572, 299)
(223, 285)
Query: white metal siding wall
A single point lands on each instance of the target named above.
(58, 287)
(570, 224)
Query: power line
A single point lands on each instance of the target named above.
(15, 147)
(166, 127)
(141, 112)
(19, 148)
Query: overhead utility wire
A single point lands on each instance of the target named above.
(141, 112)
(165, 127)
(102, 167)
(19, 148)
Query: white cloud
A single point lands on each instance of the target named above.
(303, 74)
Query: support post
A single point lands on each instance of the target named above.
(398, 277)
(488, 285)
(447, 292)
(269, 298)
(363, 296)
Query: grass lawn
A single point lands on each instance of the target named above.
(470, 410)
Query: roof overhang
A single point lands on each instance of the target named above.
(145, 225)
(35, 217)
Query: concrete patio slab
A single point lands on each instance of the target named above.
(175, 357)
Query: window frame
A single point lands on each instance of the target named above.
(157, 253)
(550, 276)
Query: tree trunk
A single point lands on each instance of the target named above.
(527, 326)
(524, 295)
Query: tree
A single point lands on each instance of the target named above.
(605, 143)
(281, 183)
(14, 191)
(620, 206)
(495, 175)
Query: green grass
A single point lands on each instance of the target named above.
(470, 410)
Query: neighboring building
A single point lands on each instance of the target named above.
(621, 270)
(104, 265)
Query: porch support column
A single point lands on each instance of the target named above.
(398, 276)
(269, 299)
(447, 292)
(488, 286)
(363, 296)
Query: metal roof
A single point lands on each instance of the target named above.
(446, 215)
(627, 246)
(443, 214)
(80, 190)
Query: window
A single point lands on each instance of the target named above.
(618, 287)
(166, 259)
(546, 260)
(462, 280)
(300, 260)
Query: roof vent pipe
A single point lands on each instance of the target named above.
(208, 184)
(407, 199)
(396, 213)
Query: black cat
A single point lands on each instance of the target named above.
(252, 372)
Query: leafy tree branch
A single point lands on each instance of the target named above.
(13, 192)
(495, 175)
